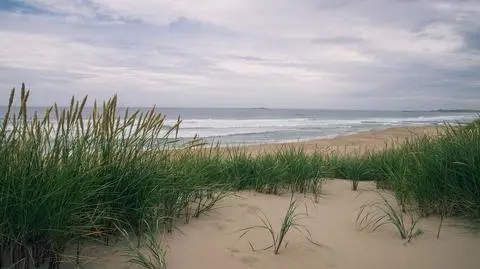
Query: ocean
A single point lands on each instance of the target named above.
(235, 126)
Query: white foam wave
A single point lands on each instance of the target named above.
(261, 127)
(229, 127)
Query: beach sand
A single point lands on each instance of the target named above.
(212, 241)
(373, 140)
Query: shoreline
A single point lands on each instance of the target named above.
(371, 140)
(217, 140)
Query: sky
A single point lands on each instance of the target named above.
(326, 54)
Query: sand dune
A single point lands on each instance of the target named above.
(212, 241)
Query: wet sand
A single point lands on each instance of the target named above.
(356, 143)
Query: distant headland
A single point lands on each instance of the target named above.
(446, 110)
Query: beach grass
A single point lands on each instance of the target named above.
(278, 238)
(375, 214)
(65, 178)
(148, 252)
(440, 175)
(72, 174)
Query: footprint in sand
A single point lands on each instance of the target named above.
(246, 259)
(249, 260)
(250, 209)
(233, 250)
(219, 225)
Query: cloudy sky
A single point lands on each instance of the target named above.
(356, 54)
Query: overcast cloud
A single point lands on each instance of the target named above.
(384, 54)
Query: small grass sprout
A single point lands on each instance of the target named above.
(376, 214)
(151, 254)
(291, 220)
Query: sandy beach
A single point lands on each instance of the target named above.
(212, 241)
(356, 143)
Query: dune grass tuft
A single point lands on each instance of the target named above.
(291, 221)
(150, 254)
(374, 215)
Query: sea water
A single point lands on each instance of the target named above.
(246, 126)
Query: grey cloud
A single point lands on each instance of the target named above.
(198, 61)
(338, 40)
(424, 83)
(472, 40)
(250, 58)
